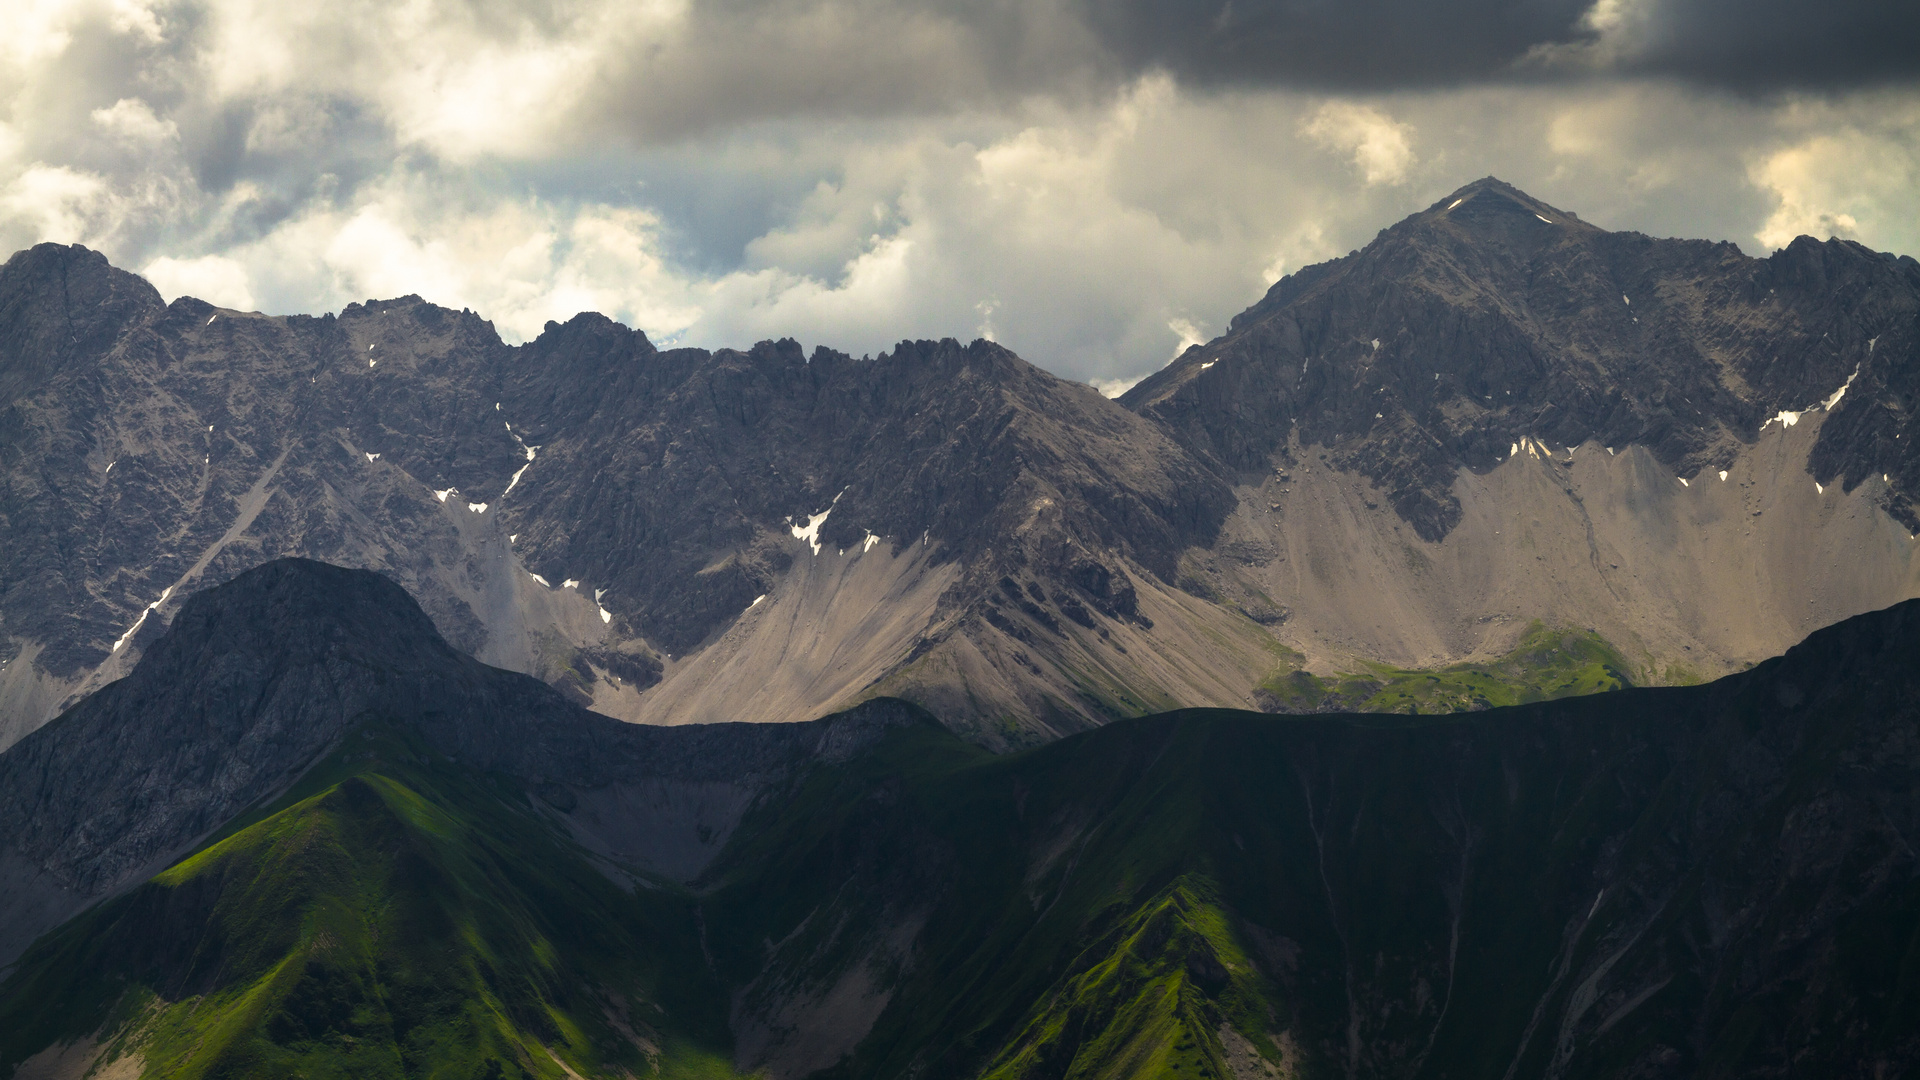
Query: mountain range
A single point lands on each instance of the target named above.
(379, 857)
(1498, 449)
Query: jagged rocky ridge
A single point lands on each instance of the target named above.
(682, 535)
(1714, 880)
(1493, 317)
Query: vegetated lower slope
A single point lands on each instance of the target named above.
(394, 916)
(1701, 880)
(1544, 665)
(1714, 880)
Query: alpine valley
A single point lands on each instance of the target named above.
(1497, 655)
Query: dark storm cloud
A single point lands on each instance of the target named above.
(1364, 44)
(738, 61)
(1393, 44)
(1780, 44)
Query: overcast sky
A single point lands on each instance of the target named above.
(1094, 183)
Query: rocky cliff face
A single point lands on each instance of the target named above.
(1493, 318)
(1493, 415)
(1497, 413)
(585, 508)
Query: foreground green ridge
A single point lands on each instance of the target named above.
(388, 919)
(1546, 664)
(1700, 881)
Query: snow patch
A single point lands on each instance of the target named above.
(1683, 481)
(1455, 203)
(756, 600)
(371, 362)
(373, 457)
(212, 317)
(1515, 452)
(811, 532)
(1544, 218)
(1376, 344)
(1208, 364)
(605, 616)
(1870, 342)
(867, 544)
(597, 594)
(478, 508)
(1624, 300)
(150, 608)
(442, 495)
(1609, 451)
(570, 583)
(1723, 476)
(111, 464)
(538, 578)
(1819, 488)
(1834, 398)
(1786, 417)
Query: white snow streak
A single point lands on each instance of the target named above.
(150, 608)
(1208, 364)
(212, 317)
(531, 450)
(111, 464)
(597, 594)
(1544, 218)
(1834, 399)
(1454, 203)
(756, 600)
(538, 578)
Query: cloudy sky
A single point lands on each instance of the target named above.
(1092, 182)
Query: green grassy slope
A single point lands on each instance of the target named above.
(1545, 665)
(388, 919)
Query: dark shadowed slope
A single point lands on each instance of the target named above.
(259, 678)
(1714, 880)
